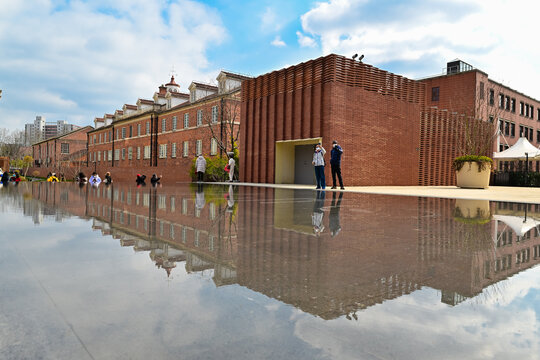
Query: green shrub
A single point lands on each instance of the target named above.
(482, 161)
(215, 169)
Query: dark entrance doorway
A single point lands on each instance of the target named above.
(303, 169)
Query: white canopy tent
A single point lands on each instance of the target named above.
(521, 150)
(520, 225)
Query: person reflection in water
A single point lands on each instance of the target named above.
(199, 197)
(318, 215)
(230, 199)
(335, 226)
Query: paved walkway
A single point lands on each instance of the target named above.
(494, 193)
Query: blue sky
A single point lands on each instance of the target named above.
(76, 60)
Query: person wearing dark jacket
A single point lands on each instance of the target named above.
(155, 180)
(335, 163)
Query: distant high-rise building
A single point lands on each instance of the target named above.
(42, 130)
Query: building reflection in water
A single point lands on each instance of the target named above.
(329, 257)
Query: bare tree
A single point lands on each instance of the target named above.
(224, 121)
(11, 143)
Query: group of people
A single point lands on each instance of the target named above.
(141, 180)
(200, 167)
(335, 164)
(94, 179)
(6, 177)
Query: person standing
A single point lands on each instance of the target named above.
(318, 162)
(200, 166)
(335, 164)
(108, 178)
(231, 166)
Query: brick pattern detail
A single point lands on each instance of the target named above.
(442, 135)
(374, 115)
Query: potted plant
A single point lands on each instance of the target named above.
(473, 171)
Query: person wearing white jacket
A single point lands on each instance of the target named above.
(318, 162)
(200, 167)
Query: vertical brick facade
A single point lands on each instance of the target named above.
(372, 113)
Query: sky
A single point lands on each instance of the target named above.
(77, 60)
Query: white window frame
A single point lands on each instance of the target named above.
(214, 114)
(174, 122)
(173, 150)
(185, 151)
(199, 117)
(163, 125)
(117, 154)
(213, 146)
(198, 147)
(186, 120)
(147, 152)
(130, 153)
(162, 151)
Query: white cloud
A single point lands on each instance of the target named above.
(278, 42)
(88, 58)
(305, 41)
(425, 35)
(270, 21)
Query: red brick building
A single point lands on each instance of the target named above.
(62, 154)
(394, 131)
(164, 135)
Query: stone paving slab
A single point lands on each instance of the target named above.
(493, 193)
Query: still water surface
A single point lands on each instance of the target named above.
(219, 272)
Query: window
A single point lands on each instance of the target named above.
(538, 114)
(186, 121)
(148, 128)
(147, 152)
(213, 147)
(110, 155)
(117, 135)
(99, 156)
(507, 103)
(117, 154)
(435, 93)
(521, 108)
(532, 112)
(130, 131)
(130, 153)
(527, 110)
(513, 105)
(123, 153)
(501, 101)
(94, 139)
(501, 125)
(123, 133)
(214, 114)
(104, 155)
(162, 151)
(163, 125)
(481, 90)
(138, 152)
(512, 129)
(138, 129)
(173, 150)
(198, 147)
(199, 117)
(100, 138)
(537, 135)
(506, 128)
(186, 148)
(105, 135)
(64, 148)
(491, 96)
(174, 121)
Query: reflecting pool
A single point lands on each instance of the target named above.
(230, 272)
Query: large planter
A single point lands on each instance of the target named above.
(471, 177)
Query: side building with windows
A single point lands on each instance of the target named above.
(64, 154)
(467, 90)
(165, 134)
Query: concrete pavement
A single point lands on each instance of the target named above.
(493, 193)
